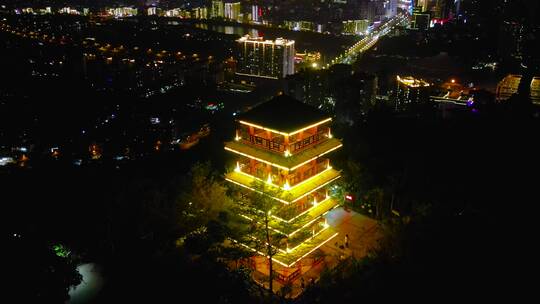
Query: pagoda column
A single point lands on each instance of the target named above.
(252, 169)
(268, 170)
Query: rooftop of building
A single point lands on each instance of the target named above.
(412, 82)
(284, 114)
(277, 41)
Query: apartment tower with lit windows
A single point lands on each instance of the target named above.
(285, 144)
(265, 58)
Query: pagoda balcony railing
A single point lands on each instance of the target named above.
(299, 145)
(294, 179)
(279, 147)
(264, 143)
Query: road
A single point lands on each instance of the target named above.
(369, 40)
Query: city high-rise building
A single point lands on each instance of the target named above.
(123, 11)
(373, 10)
(200, 13)
(391, 8)
(510, 86)
(411, 90)
(151, 11)
(358, 27)
(232, 11)
(265, 58)
(507, 87)
(283, 145)
(218, 9)
(511, 40)
(422, 4)
(405, 5)
(420, 19)
(535, 90)
(256, 13)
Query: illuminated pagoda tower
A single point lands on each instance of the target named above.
(285, 144)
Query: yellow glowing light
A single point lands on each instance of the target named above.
(237, 138)
(284, 133)
(287, 153)
(314, 65)
(287, 186)
(255, 158)
(307, 224)
(299, 215)
(309, 252)
(309, 160)
(292, 264)
(269, 181)
(279, 166)
(453, 81)
(237, 169)
(314, 235)
(315, 189)
(253, 189)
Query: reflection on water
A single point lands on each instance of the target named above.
(328, 45)
(229, 29)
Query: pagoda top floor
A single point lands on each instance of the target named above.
(284, 115)
(285, 127)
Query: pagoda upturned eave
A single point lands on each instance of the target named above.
(296, 192)
(281, 161)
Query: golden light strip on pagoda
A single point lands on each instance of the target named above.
(281, 232)
(284, 133)
(313, 190)
(279, 166)
(310, 178)
(253, 189)
(281, 200)
(307, 161)
(284, 188)
(280, 262)
(299, 215)
(261, 253)
(309, 252)
(307, 224)
(308, 239)
(255, 158)
(304, 181)
(274, 229)
(295, 247)
(311, 126)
